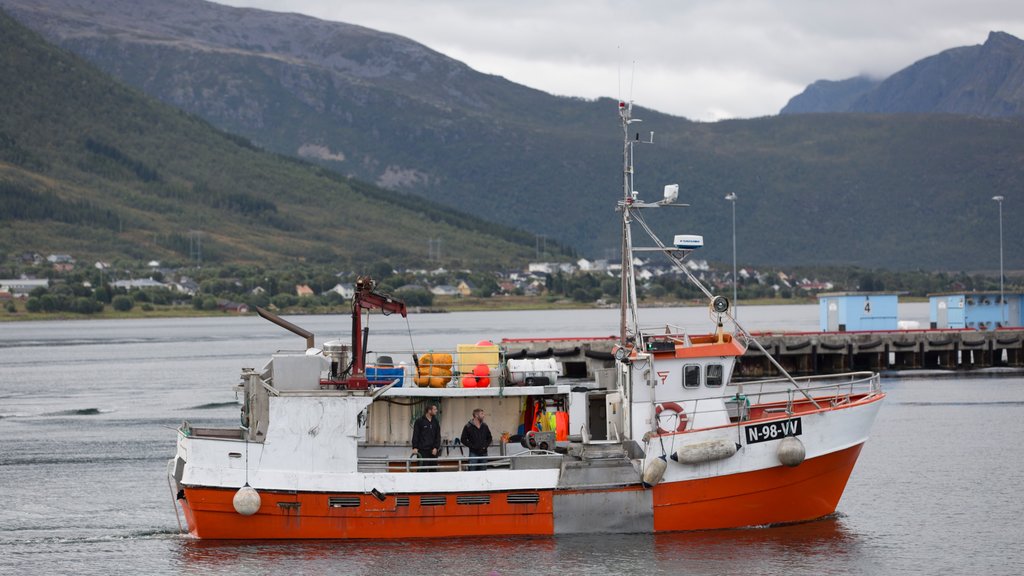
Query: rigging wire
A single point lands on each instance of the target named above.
(412, 345)
(747, 336)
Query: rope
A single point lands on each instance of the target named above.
(246, 437)
(728, 314)
(408, 328)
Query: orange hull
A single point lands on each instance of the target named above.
(210, 514)
(775, 495)
(771, 496)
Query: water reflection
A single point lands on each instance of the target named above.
(461, 555)
(806, 547)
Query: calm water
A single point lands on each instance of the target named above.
(87, 410)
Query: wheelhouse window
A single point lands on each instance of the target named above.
(691, 376)
(713, 377)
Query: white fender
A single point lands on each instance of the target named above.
(654, 472)
(705, 451)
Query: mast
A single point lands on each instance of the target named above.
(627, 288)
(625, 111)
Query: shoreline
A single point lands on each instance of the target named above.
(440, 307)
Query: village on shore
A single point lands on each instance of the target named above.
(33, 285)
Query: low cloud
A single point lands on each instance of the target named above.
(705, 60)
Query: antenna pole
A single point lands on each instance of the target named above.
(627, 188)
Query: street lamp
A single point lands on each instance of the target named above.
(1002, 299)
(731, 197)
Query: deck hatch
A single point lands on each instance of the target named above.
(343, 501)
(433, 500)
(473, 500)
(523, 498)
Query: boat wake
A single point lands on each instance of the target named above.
(34, 460)
(153, 534)
(80, 412)
(13, 415)
(212, 406)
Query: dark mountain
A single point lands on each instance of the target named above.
(985, 80)
(830, 95)
(874, 190)
(96, 169)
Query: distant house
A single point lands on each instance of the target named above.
(303, 290)
(346, 291)
(698, 265)
(444, 290)
(60, 259)
(186, 286)
(465, 288)
(140, 284)
(21, 287)
(784, 280)
(229, 306)
(33, 258)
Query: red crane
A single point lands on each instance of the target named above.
(367, 298)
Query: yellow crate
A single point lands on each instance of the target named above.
(470, 355)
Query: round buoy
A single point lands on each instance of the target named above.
(485, 343)
(654, 472)
(791, 451)
(469, 382)
(246, 500)
(481, 370)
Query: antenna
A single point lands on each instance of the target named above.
(618, 50)
(631, 79)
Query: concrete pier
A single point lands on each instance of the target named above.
(807, 353)
(831, 352)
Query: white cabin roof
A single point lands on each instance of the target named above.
(478, 392)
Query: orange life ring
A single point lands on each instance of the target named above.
(672, 407)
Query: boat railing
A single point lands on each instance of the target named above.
(861, 381)
(776, 396)
(526, 460)
(835, 389)
(462, 365)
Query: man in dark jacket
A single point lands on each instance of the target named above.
(477, 437)
(426, 438)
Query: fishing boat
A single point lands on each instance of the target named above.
(646, 431)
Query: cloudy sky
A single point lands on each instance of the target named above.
(702, 59)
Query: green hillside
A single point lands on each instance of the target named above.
(892, 191)
(93, 168)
